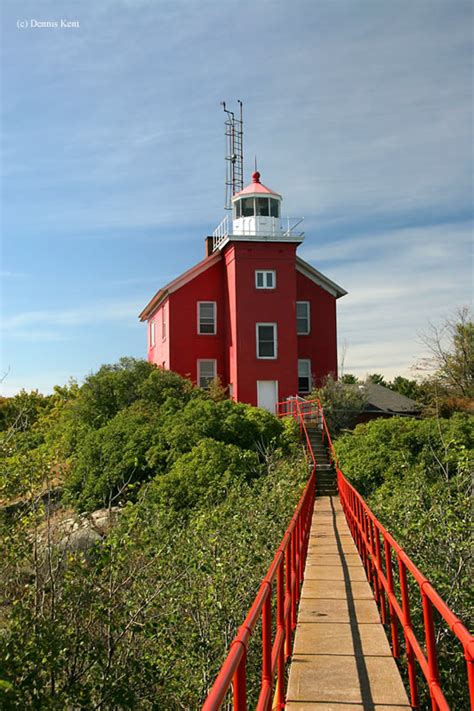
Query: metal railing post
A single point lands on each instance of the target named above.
(280, 698)
(430, 648)
(240, 685)
(391, 610)
(267, 644)
(407, 628)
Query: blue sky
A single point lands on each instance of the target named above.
(360, 113)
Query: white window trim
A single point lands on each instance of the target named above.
(152, 334)
(275, 340)
(310, 378)
(214, 303)
(265, 272)
(304, 333)
(205, 360)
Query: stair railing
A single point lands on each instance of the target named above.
(283, 579)
(378, 550)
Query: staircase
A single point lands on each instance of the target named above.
(325, 474)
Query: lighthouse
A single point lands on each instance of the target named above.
(252, 313)
(256, 210)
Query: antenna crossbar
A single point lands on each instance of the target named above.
(234, 135)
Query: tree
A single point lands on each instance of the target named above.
(349, 379)
(341, 403)
(377, 378)
(451, 348)
(409, 388)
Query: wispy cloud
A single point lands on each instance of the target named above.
(397, 283)
(5, 274)
(85, 315)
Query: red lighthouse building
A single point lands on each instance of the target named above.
(252, 312)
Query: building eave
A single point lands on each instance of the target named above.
(163, 293)
(318, 278)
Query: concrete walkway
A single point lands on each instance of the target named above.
(341, 659)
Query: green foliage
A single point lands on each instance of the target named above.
(145, 620)
(409, 388)
(208, 472)
(111, 389)
(111, 460)
(456, 361)
(377, 378)
(341, 403)
(349, 379)
(23, 410)
(385, 449)
(150, 437)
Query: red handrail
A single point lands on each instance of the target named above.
(287, 570)
(371, 539)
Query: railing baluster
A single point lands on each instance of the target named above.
(378, 553)
(430, 647)
(267, 644)
(240, 685)
(280, 699)
(406, 627)
(391, 609)
(288, 596)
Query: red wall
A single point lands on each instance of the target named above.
(160, 353)
(249, 306)
(186, 344)
(320, 346)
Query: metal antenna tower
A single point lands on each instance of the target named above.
(234, 137)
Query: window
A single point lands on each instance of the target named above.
(163, 325)
(304, 376)
(238, 211)
(302, 318)
(247, 207)
(265, 279)
(262, 207)
(274, 205)
(266, 340)
(207, 317)
(152, 333)
(206, 372)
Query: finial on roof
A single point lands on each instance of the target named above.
(256, 177)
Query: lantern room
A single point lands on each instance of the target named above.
(256, 210)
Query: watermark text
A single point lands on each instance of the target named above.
(61, 24)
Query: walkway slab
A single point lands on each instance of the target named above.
(341, 658)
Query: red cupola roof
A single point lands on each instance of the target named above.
(256, 188)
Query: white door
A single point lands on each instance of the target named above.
(267, 394)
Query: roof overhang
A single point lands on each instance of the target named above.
(177, 283)
(318, 278)
(256, 190)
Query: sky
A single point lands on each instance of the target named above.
(112, 167)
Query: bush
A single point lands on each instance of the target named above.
(341, 402)
(110, 461)
(204, 476)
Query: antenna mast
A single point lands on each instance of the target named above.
(234, 136)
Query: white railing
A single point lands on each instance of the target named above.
(291, 227)
(223, 231)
